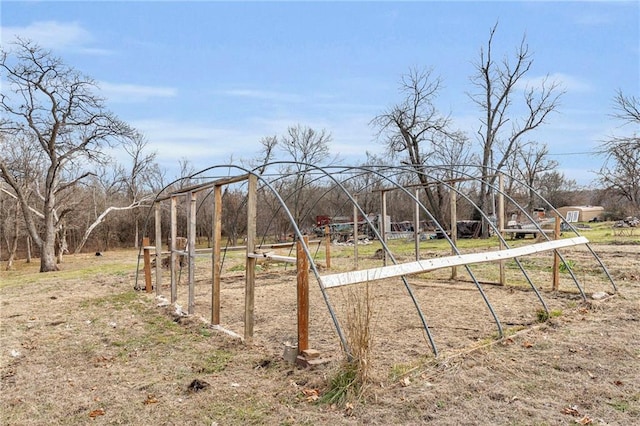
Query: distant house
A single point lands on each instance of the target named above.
(582, 213)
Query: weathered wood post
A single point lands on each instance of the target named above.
(147, 264)
(215, 255)
(556, 258)
(454, 227)
(355, 232)
(416, 224)
(383, 223)
(302, 264)
(191, 250)
(249, 294)
(172, 248)
(158, 243)
(327, 246)
(503, 278)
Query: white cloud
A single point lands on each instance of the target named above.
(55, 35)
(264, 95)
(134, 93)
(202, 144)
(566, 82)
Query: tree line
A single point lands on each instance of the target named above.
(62, 192)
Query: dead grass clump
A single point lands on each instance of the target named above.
(353, 376)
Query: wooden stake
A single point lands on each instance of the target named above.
(158, 243)
(303, 295)
(249, 293)
(383, 223)
(355, 232)
(416, 225)
(454, 229)
(327, 246)
(147, 264)
(191, 244)
(215, 255)
(556, 258)
(503, 279)
(172, 248)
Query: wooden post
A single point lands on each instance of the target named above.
(249, 294)
(556, 258)
(172, 248)
(454, 227)
(503, 278)
(416, 225)
(302, 263)
(191, 250)
(383, 223)
(327, 246)
(158, 243)
(355, 232)
(147, 264)
(215, 255)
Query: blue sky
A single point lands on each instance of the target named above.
(204, 81)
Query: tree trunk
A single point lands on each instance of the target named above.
(28, 249)
(48, 256)
(13, 247)
(62, 243)
(48, 244)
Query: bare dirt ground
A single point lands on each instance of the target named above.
(81, 346)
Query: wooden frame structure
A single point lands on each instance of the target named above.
(304, 260)
(252, 257)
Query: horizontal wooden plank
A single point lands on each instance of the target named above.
(353, 277)
(266, 246)
(527, 231)
(269, 256)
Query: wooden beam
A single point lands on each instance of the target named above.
(202, 186)
(302, 276)
(454, 229)
(416, 224)
(250, 273)
(383, 224)
(147, 264)
(267, 246)
(172, 248)
(269, 256)
(327, 246)
(158, 242)
(191, 248)
(503, 279)
(556, 258)
(346, 278)
(355, 232)
(215, 255)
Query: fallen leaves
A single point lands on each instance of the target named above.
(527, 344)
(151, 399)
(573, 411)
(96, 413)
(311, 395)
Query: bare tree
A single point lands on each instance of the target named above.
(304, 145)
(53, 107)
(620, 172)
(627, 108)
(502, 130)
(533, 162)
(557, 189)
(418, 133)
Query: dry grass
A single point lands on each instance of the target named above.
(80, 343)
